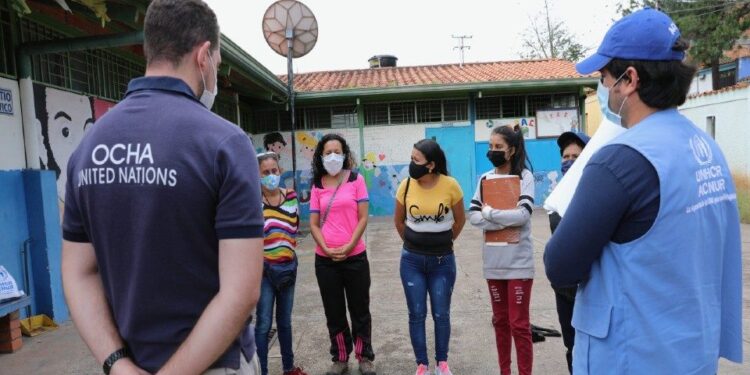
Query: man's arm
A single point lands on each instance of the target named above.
(617, 200)
(84, 294)
(240, 270)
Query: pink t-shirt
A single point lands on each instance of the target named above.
(343, 218)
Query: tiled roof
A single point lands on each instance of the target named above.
(522, 70)
(739, 85)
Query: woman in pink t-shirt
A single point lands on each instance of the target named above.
(338, 218)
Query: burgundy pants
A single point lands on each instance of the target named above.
(510, 317)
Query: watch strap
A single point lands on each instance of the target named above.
(114, 357)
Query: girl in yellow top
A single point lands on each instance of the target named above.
(429, 216)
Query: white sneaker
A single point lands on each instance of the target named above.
(443, 369)
(422, 370)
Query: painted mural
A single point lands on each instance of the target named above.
(62, 118)
(383, 165)
(482, 128)
(544, 183)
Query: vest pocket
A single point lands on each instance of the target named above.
(591, 318)
(591, 322)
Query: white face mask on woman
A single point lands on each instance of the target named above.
(333, 163)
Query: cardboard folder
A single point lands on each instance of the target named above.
(502, 192)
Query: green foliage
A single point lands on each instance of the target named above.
(711, 26)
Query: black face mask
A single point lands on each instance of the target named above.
(497, 158)
(416, 171)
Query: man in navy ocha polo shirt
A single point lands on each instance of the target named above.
(163, 223)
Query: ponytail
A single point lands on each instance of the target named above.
(514, 138)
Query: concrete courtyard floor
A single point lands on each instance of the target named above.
(472, 341)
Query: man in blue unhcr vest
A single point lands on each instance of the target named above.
(163, 225)
(652, 234)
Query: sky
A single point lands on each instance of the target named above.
(418, 32)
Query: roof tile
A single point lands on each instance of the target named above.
(446, 74)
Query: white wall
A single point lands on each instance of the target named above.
(12, 154)
(732, 112)
(702, 82)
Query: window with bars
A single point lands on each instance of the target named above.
(402, 113)
(98, 72)
(513, 106)
(488, 108)
(318, 118)
(246, 118)
(536, 102)
(344, 117)
(564, 101)
(7, 55)
(285, 119)
(226, 108)
(455, 110)
(376, 114)
(429, 111)
(265, 121)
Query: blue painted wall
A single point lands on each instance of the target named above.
(743, 68)
(30, 212)
(545, 161)
(13, 225)
(46, 242)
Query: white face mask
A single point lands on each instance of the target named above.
(208, 97)
(333, 163)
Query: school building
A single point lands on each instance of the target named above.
(64, 64)
(383, 110)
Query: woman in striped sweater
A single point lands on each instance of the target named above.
(509, 268)
(279, 266)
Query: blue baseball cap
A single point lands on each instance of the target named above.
(647, 34)
(569, 137)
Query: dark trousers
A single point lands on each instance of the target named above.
(346, 284)
(565, 299)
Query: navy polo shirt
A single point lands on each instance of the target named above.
(154, 185)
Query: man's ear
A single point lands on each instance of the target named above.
(630, 82)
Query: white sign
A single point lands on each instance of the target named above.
(12, 151)
(483, 128)
(6, 102)
(553, 122)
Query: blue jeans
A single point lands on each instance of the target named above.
(263, 319)
(436, 275)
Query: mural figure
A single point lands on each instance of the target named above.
(307, 142)
(369, 168)
(61, 119)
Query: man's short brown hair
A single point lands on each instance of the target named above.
(172, 28)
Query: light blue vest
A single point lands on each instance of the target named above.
(669, 302)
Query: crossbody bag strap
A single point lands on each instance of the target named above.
(330, 202)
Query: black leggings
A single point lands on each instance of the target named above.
(346, 284)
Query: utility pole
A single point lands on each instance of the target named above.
(461, 45)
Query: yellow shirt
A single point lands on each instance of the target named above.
(430, 210)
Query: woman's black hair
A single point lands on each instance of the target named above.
(433, 153)
(514, 138)
(317, 162)
(662, 84)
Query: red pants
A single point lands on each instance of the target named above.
(510, 317)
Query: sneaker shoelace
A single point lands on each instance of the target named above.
(422, 370)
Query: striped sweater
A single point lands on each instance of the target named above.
(280, 229)
(513, 261)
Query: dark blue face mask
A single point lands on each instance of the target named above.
(566, 165)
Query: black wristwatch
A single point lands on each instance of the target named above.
(114, 357)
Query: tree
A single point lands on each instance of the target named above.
(550, 39)
(711, 26)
